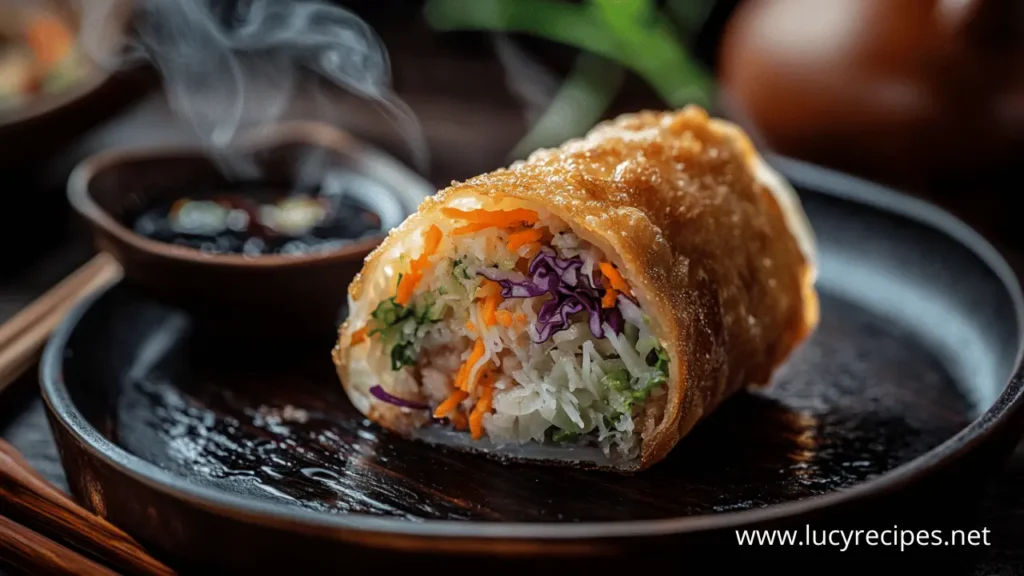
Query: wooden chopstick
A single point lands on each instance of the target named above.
(50, 514)
(43, 508)
(23, 336)
(36, 554)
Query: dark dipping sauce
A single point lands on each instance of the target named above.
(256, 221)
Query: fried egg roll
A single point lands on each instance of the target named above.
(588, 305)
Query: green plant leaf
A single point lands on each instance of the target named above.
(653, 52)
(557, 21)
(625, 17)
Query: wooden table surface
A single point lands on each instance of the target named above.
(22, 421)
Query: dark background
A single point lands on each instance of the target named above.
(456, 86)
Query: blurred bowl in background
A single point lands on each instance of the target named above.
(51, 88)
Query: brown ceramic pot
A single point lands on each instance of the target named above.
(909, 92)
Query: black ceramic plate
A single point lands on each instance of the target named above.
(222, 453)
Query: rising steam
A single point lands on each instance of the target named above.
(528, 80)
(228, 72)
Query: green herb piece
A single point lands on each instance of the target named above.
(642, 394)
(391, 321)
(617, 380)
(457, 267)
(662, 362)
(387, 314)
(429, 312)
(425, 303)
(403, 354)
(564, 435)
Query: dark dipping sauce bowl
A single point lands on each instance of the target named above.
(263, 260)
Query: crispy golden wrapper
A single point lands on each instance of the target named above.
(713, 242)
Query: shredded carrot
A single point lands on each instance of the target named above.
(451, 403)
(487, 377)
(490, 309)
(512, 217)
(610, 295)
(406, 286)
(432, 240)
(614, 278)
(477, 354)
(462, 377)
(458, 421)
(462, 380)
(470, 327)
(487, 288)
(50, 40)
(456, 213)
(519, 318)
(490, 291)
(408, 283)
(482, 219)
(517, 239)
(359, 335)
(532, 250)
(504, 317)
(476, 417)
(470, 228)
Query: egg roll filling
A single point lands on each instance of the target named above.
(508, 326)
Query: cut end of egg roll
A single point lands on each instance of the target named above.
(589, 305)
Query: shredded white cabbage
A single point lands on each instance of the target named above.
(573, 387)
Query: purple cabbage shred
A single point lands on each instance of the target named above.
(572, 292)
(382, 395)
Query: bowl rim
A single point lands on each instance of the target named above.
(41, 106)
(265, 138)
(98, 76)
(1006, 411)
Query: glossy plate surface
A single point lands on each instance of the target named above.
(912, 367)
